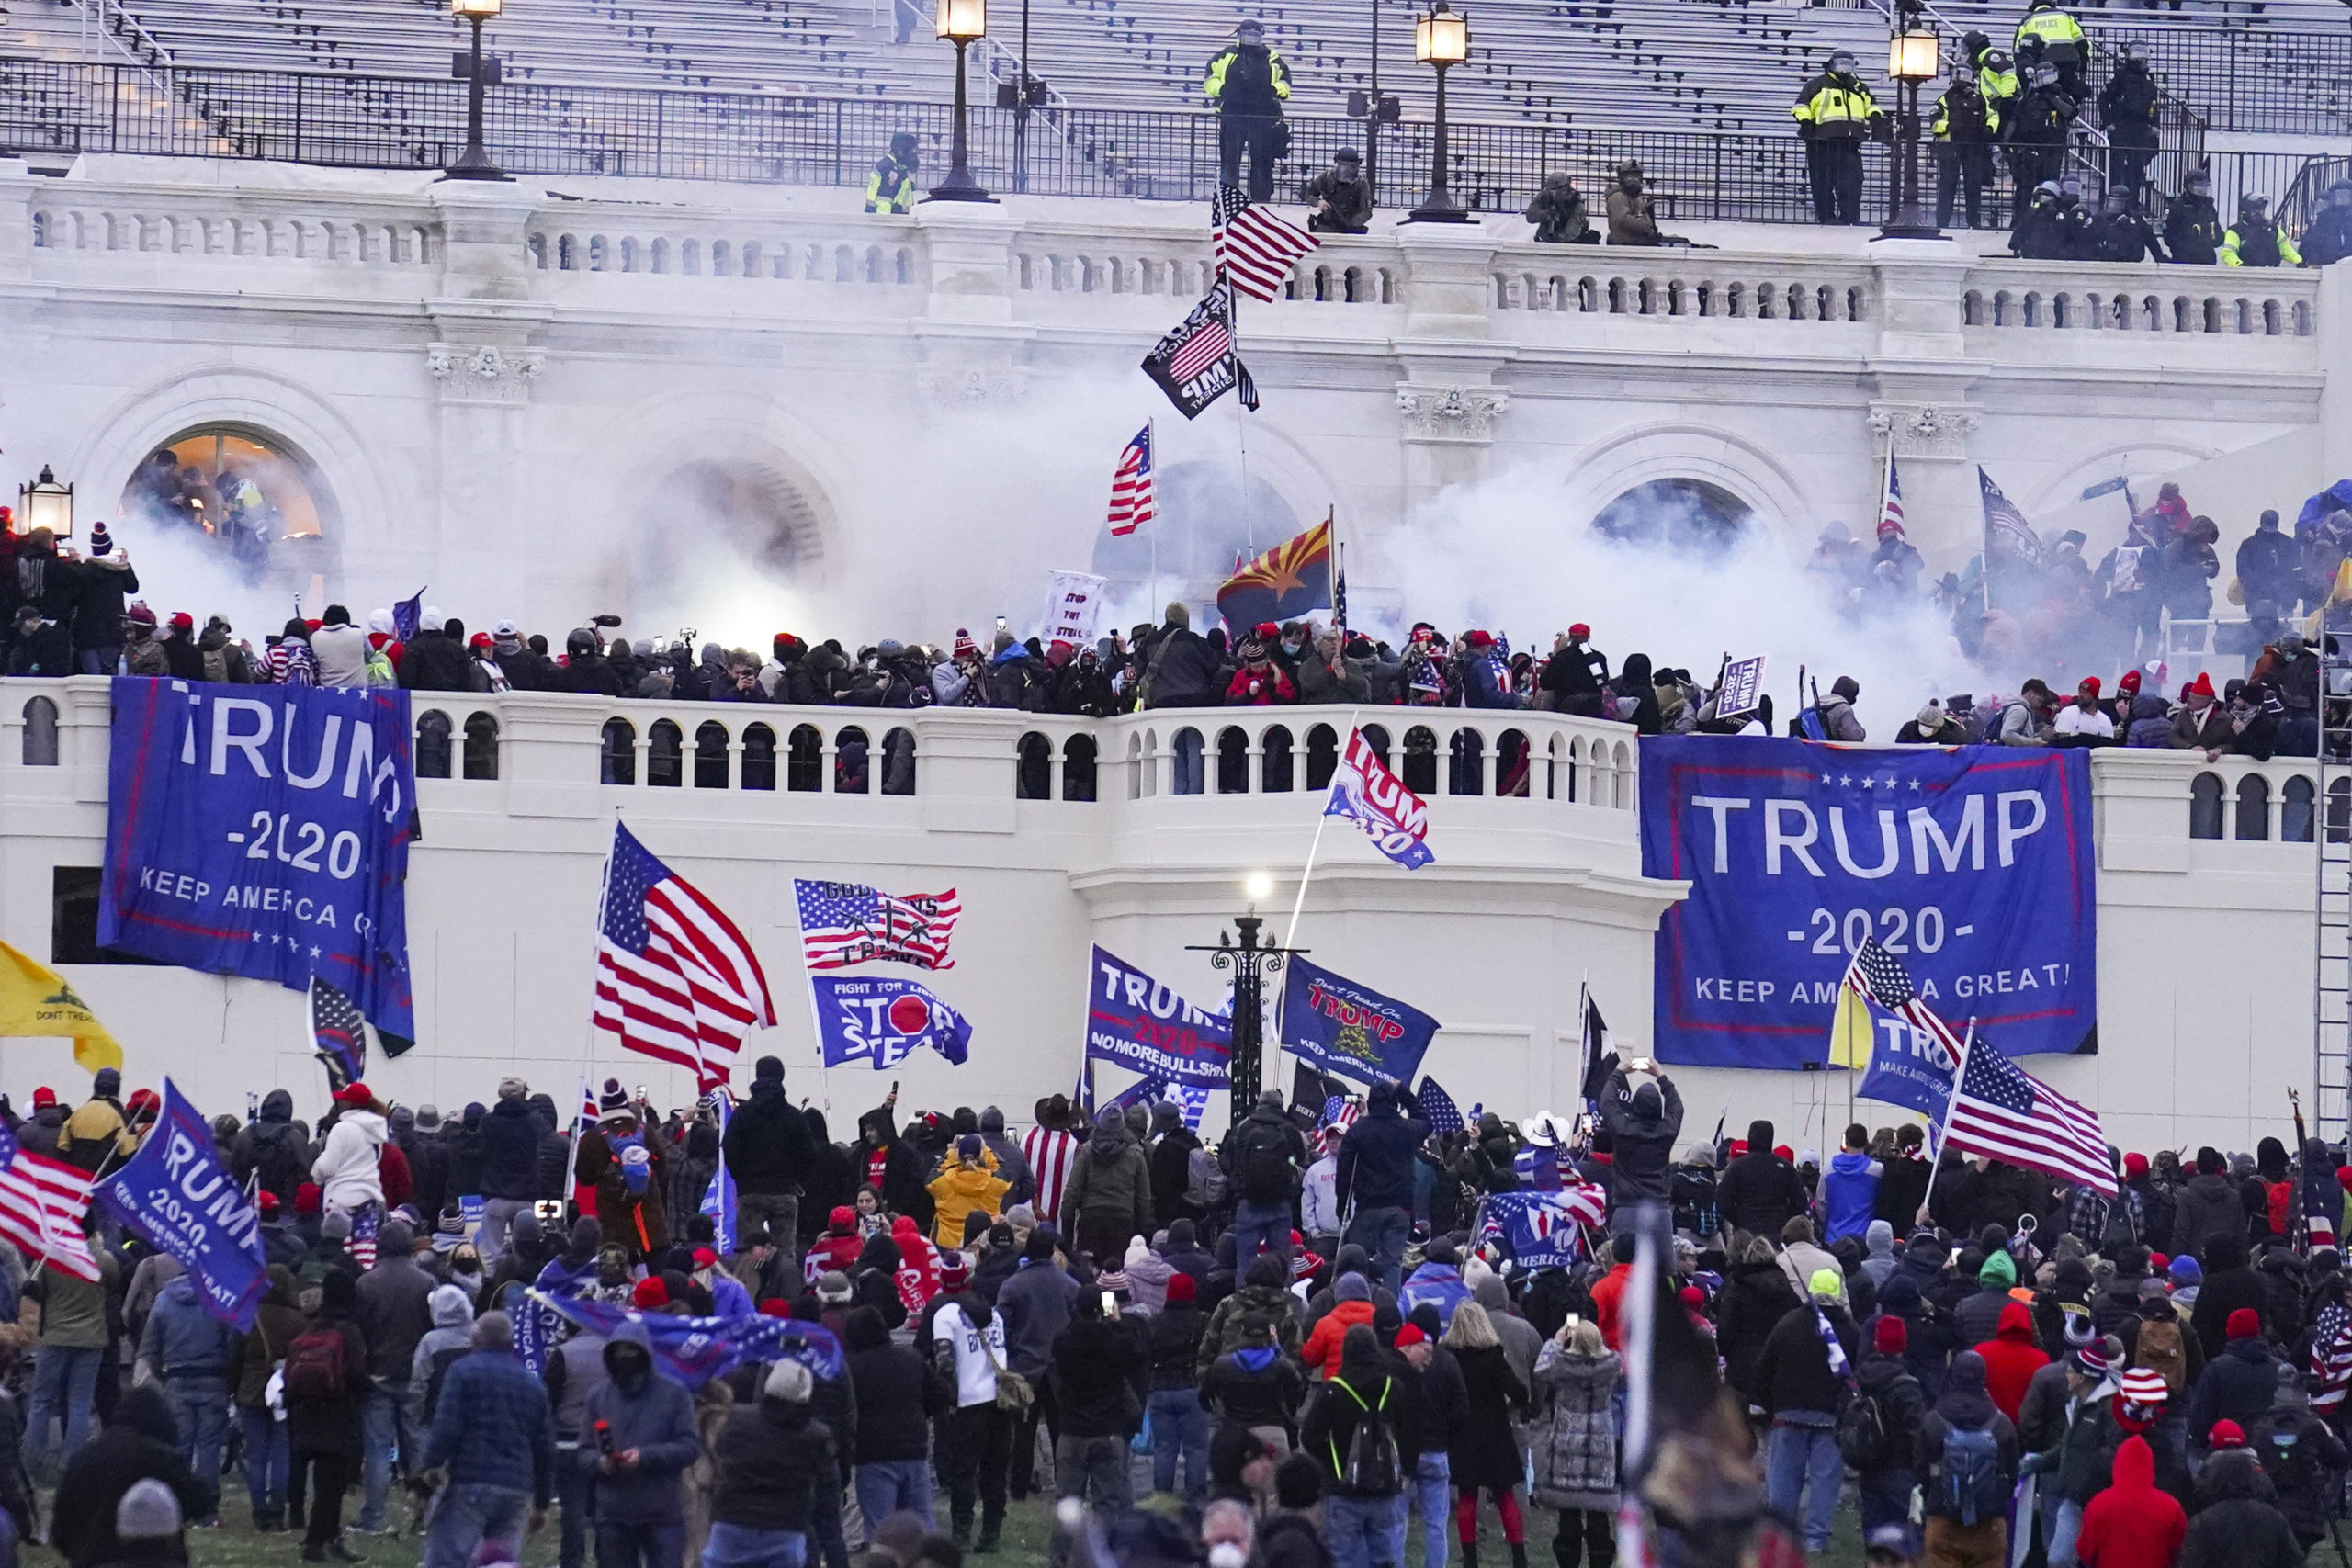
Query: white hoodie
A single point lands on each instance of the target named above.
(346, 1170)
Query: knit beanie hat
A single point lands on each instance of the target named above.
(1891, 1337)
(2243, 1324)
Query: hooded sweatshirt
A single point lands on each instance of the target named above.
(2131, 1524)
(453, 1320)
(1880, 1261)
(346, 1170)
(2011, 1358)
(1848, 1195)
(652, 1414)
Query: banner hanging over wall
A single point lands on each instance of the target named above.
(1973, 865)
(264, 831)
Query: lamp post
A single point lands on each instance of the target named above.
(1440, 38)
(962, 23)
(1911, 58)
(1251, 960)
(45, 503)
(474, 162)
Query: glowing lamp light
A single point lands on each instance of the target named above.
(485, 9)
(1442, 38)
(1259, 886)
(1912, 56)
(963, 21)
(45, 503)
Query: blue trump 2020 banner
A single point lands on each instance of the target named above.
(882, 1022)
(1137, 1022)
(1972, 865)
(1337, 1026)
(264, 831)
(177, 1196)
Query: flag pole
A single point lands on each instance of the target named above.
(1943, 1130)
(1151, 442)
(816, 1016)
(603, 895)
(1298, 904)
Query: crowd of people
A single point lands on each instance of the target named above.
(1308, 1343)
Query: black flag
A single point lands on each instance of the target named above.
(1195, 363)
(1600, 1050)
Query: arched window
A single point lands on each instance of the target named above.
(1322, 756)
(2205, 807)
(850, 761)
(2254, 808)
(1466, 771)
(710, 755)
(1077, 768)
(665, 755)
(804, 762)
(1185, 762)
(898, 762)
(1376, 737)
(1510, 764)
(620, 753)
(1274, 761)
(1032, 777)
(1232, 761)
(1420, 760)
(40, 733)
(482, 746)
(759, 757)
(2339, 812)
(2295, 811)
(433, 744)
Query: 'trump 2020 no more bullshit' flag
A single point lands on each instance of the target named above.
(1137, 1022)
(1195, 365)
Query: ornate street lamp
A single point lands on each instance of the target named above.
(45, 503)
(1911, 58)
(1441, 40)
(1250, 961)
(474, 162)
(962, 23)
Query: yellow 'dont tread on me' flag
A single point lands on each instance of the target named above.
(36, 1000)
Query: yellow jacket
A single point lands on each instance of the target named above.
(958, 1192)
(1213, 85)
(98, 1126)
(1835, 105)
(2060, 35)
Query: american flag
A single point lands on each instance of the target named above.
(1438, 1109)
(1339, 1111)
(2002, 1111)
(2330, 1363)
(1131, 505)
(1204, 348)
(1254, 247)
(364, 1223)
(1879, 975)
(843, 923)
(1891, 509)
(42, 1202)
(338, 1034)
(674, 978)
(1244, 387)
(1051, 1154)
(2005, 530)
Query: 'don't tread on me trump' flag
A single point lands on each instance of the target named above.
(36, 1001)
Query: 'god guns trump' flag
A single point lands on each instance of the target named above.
(1365, 793)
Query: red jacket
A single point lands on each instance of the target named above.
(2011, 1358)
(1321, 1351)
(1273, 686)
(2130, 1524)
(1608, 1301)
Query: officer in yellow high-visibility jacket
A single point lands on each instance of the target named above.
(2255, 240)
(891, 187)
(2050, 30)
(1833, 112)
(1249, 81)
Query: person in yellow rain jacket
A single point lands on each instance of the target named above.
(2254, 240)
(2049, 31)
(891, 187)
(968, 1185)
(1964, 127)
(1249, 81)
(1833, 112)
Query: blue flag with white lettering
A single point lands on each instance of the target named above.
(696, 1349)
(1337, 1026)
(1137, 1022)
(264, 831)
(1908, 1068)
(882, 1022)
(177, 1196)
(1972, 865)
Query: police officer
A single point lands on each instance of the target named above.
(1248, 83)
(2329, 237)
(1560, 214)
(1964, 127)
(891, 187)
(2036, 136)
(2121, 232)
(2127, 107)
(2192, 224)
(2052, 30)
(2073, 220)
(2036, 237)
(1833, 112)
(2255, 240)
(1339, 199)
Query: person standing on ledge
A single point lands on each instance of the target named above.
(1249, 81)
(1833, 112)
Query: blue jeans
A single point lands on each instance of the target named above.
(200, 1408)
(1179, 1428)
(1362, 1531)
(99, 660)
(65, 1385)
(1433, 1493)
(884, 1486)
(1798, 1454)
(1383, 1233)
(734, 1546)
(1886, 1497)
(1184, 776)
(2064, 1525)
(641, 1546)
(389, 1418)
(1259, 1227)
(470, 1512)
(265, 1463)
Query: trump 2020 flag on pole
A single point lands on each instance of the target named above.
(676, 979)
(1195, 363)
(1365, 793)
(177, 1196)
(338, 1034)
(882, 1022)
(1131, 496)
(408, 618)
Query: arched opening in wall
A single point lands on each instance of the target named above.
(1322, 756)
(1683, 514)
(1376, 737)
(898, 762)
(665, 755)
(433, 744)
(248, 495)
(2295, 811)
(2205, 807)
(1466, 773)
(805, 763)
(620, 753)
(1077, 768)
(1420, 760)
(1232, 762)
(1511, 763)
(2253, 814)
(40, 743)
(1033, 773)
(482, 746)
(1204, 518)
(716, 541)
(850, 761)
(1274, 761)
(759, 757)
(710, 755)
(1184, 762)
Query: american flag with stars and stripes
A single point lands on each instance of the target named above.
(338, 1034)
(1204, 348)
(1050, 1153)
(1340, 1111)
(1438, 1109)
(1254, 246)
(42, 1202)
(843, 923)
(676, 979)
(2005, 530)
(364, 1223)
(1131, 496)
(2002, 1111)
(1891, 509)
(1879, 975)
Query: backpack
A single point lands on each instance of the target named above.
(1861, 1432)
(1372, 1467)
(1264, 1167)
(1970, 1489)
(314, 1368)
(1205, 1187)
(442, 1362)
(216, 664)
(2158, 1349)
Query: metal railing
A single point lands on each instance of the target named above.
(2241, 79)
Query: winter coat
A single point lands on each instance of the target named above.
(141, 1443)
(769, 1460)
(1321, 1352)
(510, 1151)
(395, 1312)
(657, 1419)
(332, 1426)
(1099, 1378)
(1110, 1181)
(2223, 1292)
(638, 1222)
(1224, 1333)
(2011, 1358)
(1329, 1428)
(346, 1170)
(1792, 1373)
(2237, 1385)
(1254, 1388)
(959, 1190)
(2130, 1524)
(1034, 1305)
(1376, 1165)
(1484, 1451)
(182, 1339)
(1574, 1442)
(1902, 1186)
(1760, 1192)
(767, 1146)
(2209, 1206)
(1180, 671)
(1173, 1339)
(1644, 1124)
(1902, 1407)
(2236, 1524)
(1172, 1173)
(1753, 1303)
(1848, 1195)
(272, 1147)
(1964, 1406)
(903, 1191)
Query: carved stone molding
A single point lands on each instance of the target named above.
(1452, 415)
(1923, 430)
(970, 386)
(485, 373)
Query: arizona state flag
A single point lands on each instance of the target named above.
(1282, 584)
(36, 1000)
